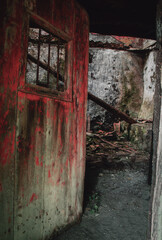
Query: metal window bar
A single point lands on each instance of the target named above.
(65, 70)
(37, 79)
(45, 67)
(49, 47)
(58, 51)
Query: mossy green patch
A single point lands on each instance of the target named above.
(131, 99)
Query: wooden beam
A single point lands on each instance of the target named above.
(44, 66)
(107, 45)
(111, 109)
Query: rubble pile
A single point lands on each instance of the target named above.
(109, 149)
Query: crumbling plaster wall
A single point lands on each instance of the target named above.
(124, 79)
(149, 80)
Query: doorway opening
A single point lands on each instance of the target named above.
(119, 139)
(122, 75)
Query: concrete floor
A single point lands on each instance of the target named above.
(116, 205)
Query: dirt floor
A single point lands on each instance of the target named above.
(117, 194)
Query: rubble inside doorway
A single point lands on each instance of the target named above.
(114, 150)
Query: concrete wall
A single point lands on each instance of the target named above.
(42, 136)
(156, 204)
(123, 79)
(115, 77)
(149, 80)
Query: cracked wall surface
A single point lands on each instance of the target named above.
(124, 79)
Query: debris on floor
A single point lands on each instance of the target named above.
(117, 207)
(106, 148)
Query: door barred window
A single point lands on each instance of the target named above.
(46, 59)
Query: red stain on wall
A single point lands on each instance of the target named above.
(39, 130)
(49, 174)
(31, 97)
(48, 114)
(20, 107)
(58, 180)
(37, 161)
(63, 183)
(67, 162)
(33, 197)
